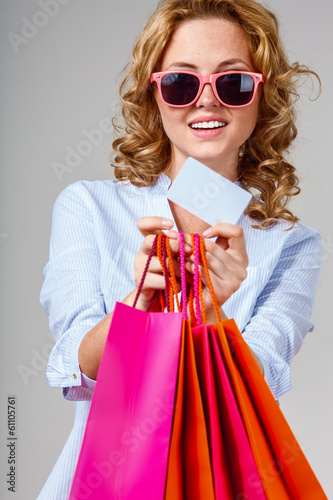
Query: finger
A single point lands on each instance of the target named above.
(174, 246)
(188, 272)
(218, 259)
(152, 282)
(153, 225)
(174, 236)
(225, 230)
(230, 238)
(155, 268)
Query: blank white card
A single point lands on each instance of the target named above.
(207, 194)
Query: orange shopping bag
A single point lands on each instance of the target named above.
(290, 461)
(189, 469)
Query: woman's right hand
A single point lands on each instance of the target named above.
(150, 227)
(92, 345)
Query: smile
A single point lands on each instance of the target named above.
(208, 125)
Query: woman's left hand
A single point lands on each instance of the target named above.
(227, 261)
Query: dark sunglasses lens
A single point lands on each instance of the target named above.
(179, 88)
(235, 89)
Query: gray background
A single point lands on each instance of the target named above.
(63, 81)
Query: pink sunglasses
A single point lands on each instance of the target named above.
(232, 89)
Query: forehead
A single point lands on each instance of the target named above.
(206, 42)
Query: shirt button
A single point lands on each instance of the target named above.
(74, 375)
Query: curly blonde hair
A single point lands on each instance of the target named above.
(143, 150)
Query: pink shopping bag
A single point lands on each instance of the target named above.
(124, 453)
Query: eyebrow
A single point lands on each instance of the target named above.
(221, 66)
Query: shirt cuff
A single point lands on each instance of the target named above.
(64, 371)
(83, 392)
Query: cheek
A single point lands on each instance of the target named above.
(172, 118)
(248, 120)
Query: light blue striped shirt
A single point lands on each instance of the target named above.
(94, 242)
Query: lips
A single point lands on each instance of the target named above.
(210, 122)
(207, 127)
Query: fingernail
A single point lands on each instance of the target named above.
(167, 223)
(207, 232)
(187, 248)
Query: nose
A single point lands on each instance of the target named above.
(207, 98)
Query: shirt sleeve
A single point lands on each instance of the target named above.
(282, 313)
(71, 293)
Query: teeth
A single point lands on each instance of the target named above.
(211, 124)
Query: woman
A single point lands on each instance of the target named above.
(264, 270)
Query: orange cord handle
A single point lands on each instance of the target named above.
(164, 256)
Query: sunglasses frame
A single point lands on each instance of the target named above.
(204, 79)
